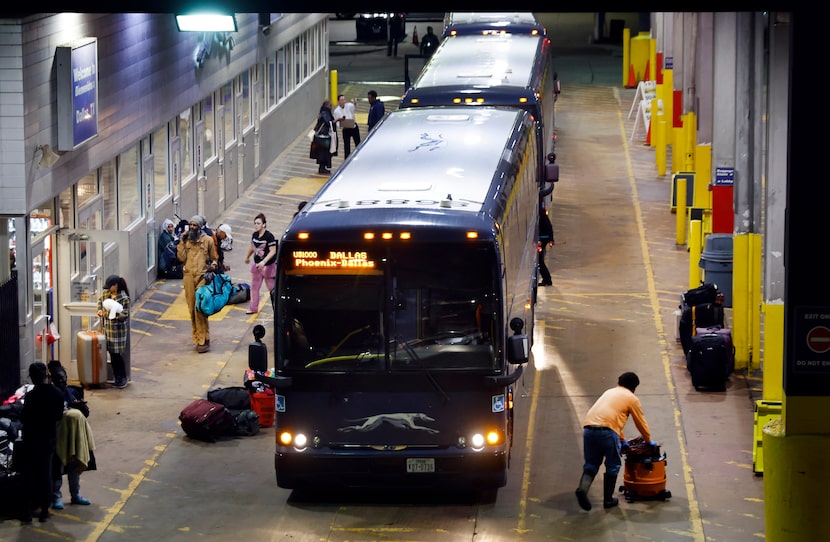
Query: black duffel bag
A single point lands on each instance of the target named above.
(232, 397)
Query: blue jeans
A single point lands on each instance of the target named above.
(599, 444)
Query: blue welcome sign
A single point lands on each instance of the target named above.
(77, 74)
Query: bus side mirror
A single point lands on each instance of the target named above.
(517, 344)
(517, 350)
(257, 351)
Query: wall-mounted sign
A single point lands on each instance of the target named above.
(724, 176)
(77, 74)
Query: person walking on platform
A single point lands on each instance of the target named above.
(197, 252)
(545, 239)
(603, 439)
(263, 249)
(344, 115)
(114, 311)
(376, 109)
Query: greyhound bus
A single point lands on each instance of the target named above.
(404, 306)
(486, 22)
(512, 70)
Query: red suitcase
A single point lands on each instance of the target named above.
(91, 351)
(206, 420)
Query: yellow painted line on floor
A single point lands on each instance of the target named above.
(151, 322)
(694, 505)
(302, 186)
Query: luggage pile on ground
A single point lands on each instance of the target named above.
(706, 341)
(11, 478)
(235, 411)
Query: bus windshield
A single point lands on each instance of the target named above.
(409, 308)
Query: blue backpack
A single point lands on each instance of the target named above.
(214, 294)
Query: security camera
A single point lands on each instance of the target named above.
(266, 30)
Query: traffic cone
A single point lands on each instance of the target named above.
(415, 35)
(648, 134)
(632, 80)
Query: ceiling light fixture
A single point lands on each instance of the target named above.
(206, 22)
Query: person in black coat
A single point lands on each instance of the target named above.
(42, 410)
(430, 43)
(325, 128)
(545, 239)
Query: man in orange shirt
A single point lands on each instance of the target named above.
(602, 437)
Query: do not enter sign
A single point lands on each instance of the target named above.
(818, 339)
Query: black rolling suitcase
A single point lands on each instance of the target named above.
(698, 316)
(206, 420)
(710, 361)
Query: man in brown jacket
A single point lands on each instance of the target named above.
(197, 252)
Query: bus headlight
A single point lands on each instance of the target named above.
(298, 441)
(477, 441)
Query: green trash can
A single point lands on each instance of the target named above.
(716, 262)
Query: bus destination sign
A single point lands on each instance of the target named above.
(335, 260)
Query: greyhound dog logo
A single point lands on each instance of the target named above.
(401, 420)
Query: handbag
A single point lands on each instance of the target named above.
(323, 141)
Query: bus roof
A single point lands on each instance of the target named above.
(482, 61)
(426, 158)
(476, 22)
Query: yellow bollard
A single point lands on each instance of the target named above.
(333, 88)
(677, 149)
(680, 216)
(668, 105)
(773, 379)
(660, 155)
(695, 238)
(628, 79)
(690, 144)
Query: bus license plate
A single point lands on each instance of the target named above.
(420, 464)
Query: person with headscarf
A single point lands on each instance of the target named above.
(166, 242)
(198, 253)
(224, 235)
(324, 130)
(114, 311)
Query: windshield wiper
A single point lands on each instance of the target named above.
(414, 355)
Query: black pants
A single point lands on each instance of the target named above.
(119, 368)
(543, 268)
(348, 135)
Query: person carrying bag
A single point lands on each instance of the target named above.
(324, 142)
